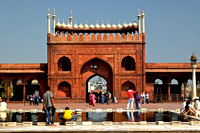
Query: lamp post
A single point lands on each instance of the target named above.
(194, 66)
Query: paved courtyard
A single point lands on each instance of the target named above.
(85, 106)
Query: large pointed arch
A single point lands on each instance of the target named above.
(94, 67)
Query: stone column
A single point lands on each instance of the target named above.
(169, 97)
(194, 93)
(185, 89)
(8, 90)
(24, 90)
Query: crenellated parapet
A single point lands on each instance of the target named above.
(67, 32)
(92, 37)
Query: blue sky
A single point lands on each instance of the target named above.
(172, 26)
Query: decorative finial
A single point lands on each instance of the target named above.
(119, 21)
(70, 13)
(108, 22)
(48, 11)
(85, 21)
(97, 21)
(138, 11)
(54, 11)
(102, 21)
(143, 14)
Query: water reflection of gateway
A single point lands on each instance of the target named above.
(97, 117)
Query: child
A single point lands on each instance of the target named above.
(68, 115)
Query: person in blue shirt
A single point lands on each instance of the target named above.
(137, 101)
(102, 98)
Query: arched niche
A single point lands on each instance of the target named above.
(64, 64)
(125, 87)
(128, 63)
(64, 90)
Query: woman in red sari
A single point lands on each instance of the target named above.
(93, 99)
(90, 98)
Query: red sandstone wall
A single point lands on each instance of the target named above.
(81, 53)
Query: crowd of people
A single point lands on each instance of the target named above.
(35, 99)
(99, 97)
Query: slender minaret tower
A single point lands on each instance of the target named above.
(54, 21)
(139, 22)
(143, 22)
(48, 22)
(70, 18)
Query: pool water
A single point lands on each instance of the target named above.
(94, 117)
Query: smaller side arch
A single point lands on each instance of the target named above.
(125, 87)
(64, 90)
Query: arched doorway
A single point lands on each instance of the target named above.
(32, 86)
(95, 84)
(64, 90)
(17, 90)
(96, 67)
(158, 90)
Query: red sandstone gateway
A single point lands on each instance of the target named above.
(78, 53)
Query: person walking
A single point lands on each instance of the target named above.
(147, 97)
(33, 98)
(143, 97)
(130, 93)
(37, 99)
(92, 99)
(137, 101)
(108, 98)
(48, 105)
(102, 98)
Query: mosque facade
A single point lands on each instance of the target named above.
(77, 53)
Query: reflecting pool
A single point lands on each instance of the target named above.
(94, 116)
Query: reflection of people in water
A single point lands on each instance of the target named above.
(130, 116)
(137, 116)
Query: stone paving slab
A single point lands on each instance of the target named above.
(102, 128)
